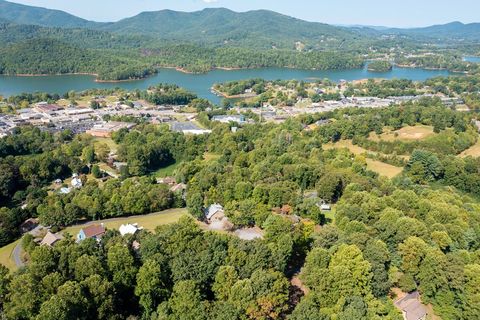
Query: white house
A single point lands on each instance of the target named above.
(76, 183)
(324, 206)
(65, 190)
(214, 213)
(129, 229)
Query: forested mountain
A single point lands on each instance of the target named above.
(11, 33)
(48, 56)
(222, 26)
(210, 26)
(23, 14)
(453, 30)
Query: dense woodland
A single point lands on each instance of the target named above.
(380, 66)
(131, 49)
(451, 62)
(47, 56)
(417, 231)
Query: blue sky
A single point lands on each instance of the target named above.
(397, 13)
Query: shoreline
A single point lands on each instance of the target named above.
(237, 96)
(429, 68)
(33, 75)
(179, 69)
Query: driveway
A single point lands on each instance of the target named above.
(16, 254)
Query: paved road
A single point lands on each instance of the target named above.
(16, 253)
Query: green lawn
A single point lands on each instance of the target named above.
(108, 141)
(148, 222)
(167, 171)
(6, 255)
(329, 216)
(208, 156)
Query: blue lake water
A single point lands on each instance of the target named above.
(200, 83)
(472, 59)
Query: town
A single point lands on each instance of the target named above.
(180, 118)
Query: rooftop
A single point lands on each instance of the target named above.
(50, 239)
(93, 231)
(412, 306)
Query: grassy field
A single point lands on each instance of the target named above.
(473, 151)
(6, 255)
(108, 141)
(347, 144)
(148, 222)
(405, 134)
(167, 171)
(383, 169)
(208, 156)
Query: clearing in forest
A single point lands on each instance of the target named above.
(108, 141)
(382, 168)
(473, 151)
(148, 222)
(409, 133)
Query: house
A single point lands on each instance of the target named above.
(324, 206)
(58, 181)
(411, 306)
(93, 231)
(65, 190)
(29, 225)
(167, 180)
(229, 118)
(76, 182)
(119, 165)
(50, 239)
(214, 213)
(129, 229)
(180, 187)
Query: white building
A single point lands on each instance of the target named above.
(76, 182)
(129, 229)
(214, 213)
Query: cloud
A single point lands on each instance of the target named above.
(210, 1)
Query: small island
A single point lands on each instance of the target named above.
(379, 66)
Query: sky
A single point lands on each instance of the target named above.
(391, 13)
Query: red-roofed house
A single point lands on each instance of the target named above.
(93, 231)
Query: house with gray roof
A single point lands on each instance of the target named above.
(411, 306)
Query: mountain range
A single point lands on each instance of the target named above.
(454, 30)
(22, 14)
(221, 26)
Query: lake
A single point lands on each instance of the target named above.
(200, 83)
(472, 59)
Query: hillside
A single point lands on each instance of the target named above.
(222, 26)
(23, 14)
(48, 56)
(219, 26)
(11, 33)
(453, 30)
